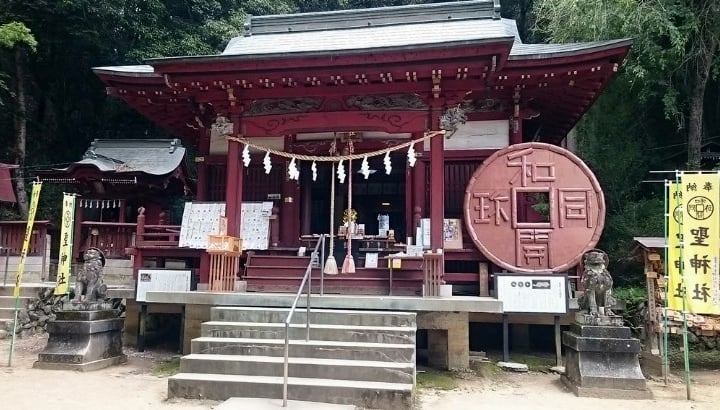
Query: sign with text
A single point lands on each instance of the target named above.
(66, 244)
(161, 280)
(700, 234)
(532, 293)
(34, 198)
(674, 213)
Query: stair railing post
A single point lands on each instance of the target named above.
(322, 265)
(309, 291)
(285, 370)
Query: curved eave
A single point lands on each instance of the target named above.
(589, 67)
(541, 52)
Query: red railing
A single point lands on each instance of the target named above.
(110, 237)
(155, 235)
(12, 234)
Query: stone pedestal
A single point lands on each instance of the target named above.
(602, 362)
(83, 340)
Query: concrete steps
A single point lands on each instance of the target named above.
(317, 316)
(380, 371)
(365, 334)
(359, 358)
(370, 395)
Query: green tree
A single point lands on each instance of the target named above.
(676, 47)
(17, 38)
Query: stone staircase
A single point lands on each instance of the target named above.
(7, 300)
(361, 358)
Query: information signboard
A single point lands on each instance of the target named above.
(532, 293)
(164, 280)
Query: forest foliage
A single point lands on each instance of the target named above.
(659, 113)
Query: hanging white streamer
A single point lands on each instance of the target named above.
(246, 156)
(267, 163)
(411, 155)
(388, 163)
(365, 168)
(293, 172)
(313, 168)
(341, 172)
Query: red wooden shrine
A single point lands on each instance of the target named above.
(297, 82)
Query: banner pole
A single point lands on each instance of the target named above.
(14, 331)
(34, 196)
(686, 353)
(669, 214)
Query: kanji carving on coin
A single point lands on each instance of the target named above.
(534, 207)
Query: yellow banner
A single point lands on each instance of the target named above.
(700, 233)
(36, 186)
(674, 216)
(66, 244)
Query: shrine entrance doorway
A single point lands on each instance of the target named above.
(379, 194)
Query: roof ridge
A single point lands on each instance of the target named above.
(372, 17)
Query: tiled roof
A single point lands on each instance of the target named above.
(537, 51)
(152, 156)
(371, 38)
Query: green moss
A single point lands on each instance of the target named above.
(167, 367)
(707, 359)
(535, 363)
(487, 370)
(436, 380)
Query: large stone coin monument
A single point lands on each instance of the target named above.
(87, 333)
(601, 356)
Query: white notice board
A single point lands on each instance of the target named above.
(255, 226)
(200, 219)
(531, 293)
(166, 280)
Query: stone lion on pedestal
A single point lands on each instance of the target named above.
(89, 286)
(598, 283)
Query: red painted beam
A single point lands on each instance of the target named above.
(388, 121)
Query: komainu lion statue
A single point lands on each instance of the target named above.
(89, 279)
(597, 283)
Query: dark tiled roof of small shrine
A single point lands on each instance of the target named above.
(151, 156)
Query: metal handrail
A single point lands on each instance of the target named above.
(314, 256)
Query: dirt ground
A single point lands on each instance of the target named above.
(136, 386)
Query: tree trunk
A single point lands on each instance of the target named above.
(697, 101)
(21, 133)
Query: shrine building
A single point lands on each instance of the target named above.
(429, 101)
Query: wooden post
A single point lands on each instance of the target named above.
(234, 180)
(275, 227)
(437, 187)
(484, 279)
(202, 166)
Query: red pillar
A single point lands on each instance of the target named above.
(202, 193)
(233, 199)
(516, 120)
(437, 190)
(306, 195)
(290, 206)
(418, 189)
(202, 167)
(437, 179)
